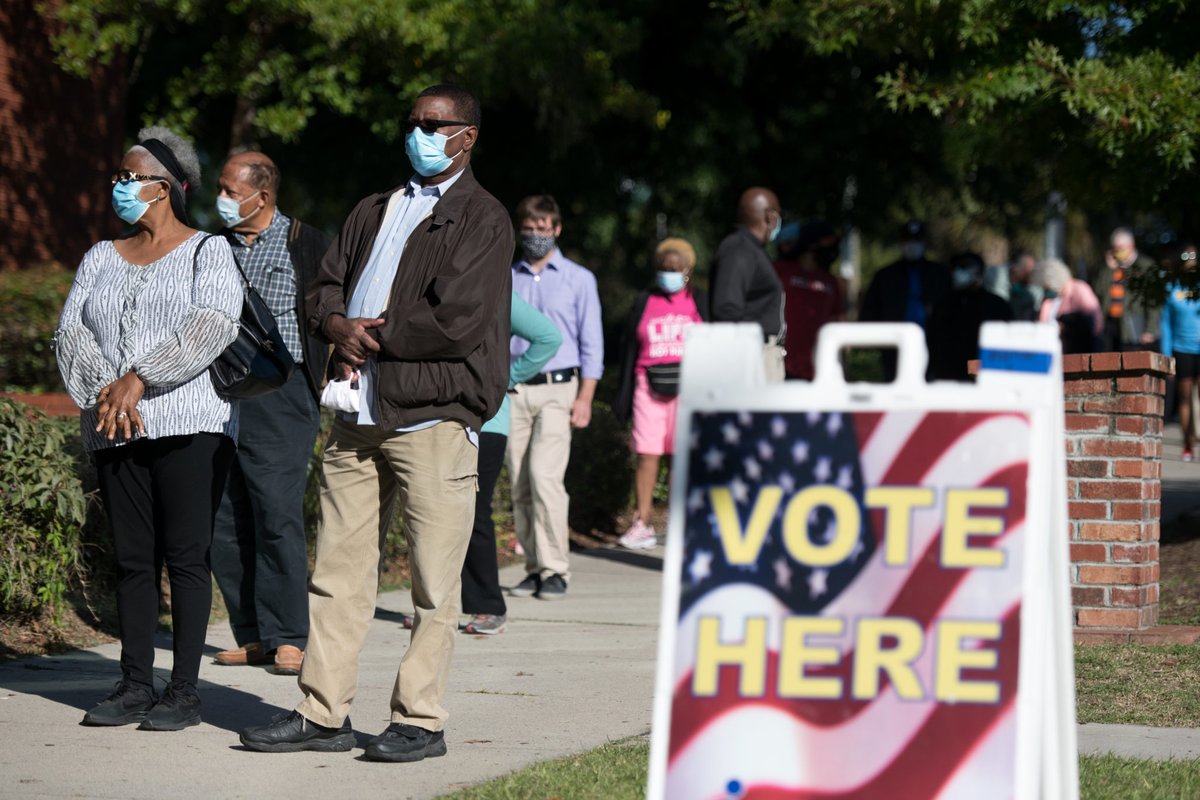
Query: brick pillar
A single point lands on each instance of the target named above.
(1114, 420)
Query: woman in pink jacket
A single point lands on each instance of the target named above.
(1071, 304)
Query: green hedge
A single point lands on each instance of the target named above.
(30, 303)
(43, 511)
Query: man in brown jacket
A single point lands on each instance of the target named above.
(414, 295)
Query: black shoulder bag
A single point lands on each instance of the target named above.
(258, 361)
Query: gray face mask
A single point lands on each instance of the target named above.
(536, 245)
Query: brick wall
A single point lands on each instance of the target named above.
(1114, 422)
(61, 137)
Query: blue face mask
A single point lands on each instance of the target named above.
(230, 210)
(427, 151)
(775, 231)
(670, 282)
(126, 203)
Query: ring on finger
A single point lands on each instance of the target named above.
(121, 415)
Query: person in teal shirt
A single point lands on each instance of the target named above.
(1180, 323)
(481, 595)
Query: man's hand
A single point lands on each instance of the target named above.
(117, 410)
(581, 412)
(352, 341)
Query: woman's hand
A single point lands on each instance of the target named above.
(117, 407)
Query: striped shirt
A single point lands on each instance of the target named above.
(268, 265)
(162, 319)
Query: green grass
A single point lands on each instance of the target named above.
(615, 771)
(618, 770)
(1138, 685)
(1112, 778)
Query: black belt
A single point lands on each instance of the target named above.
(554, 376)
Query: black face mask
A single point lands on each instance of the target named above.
(826, 255)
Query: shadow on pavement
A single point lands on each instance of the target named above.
(82, 678)
(628, 557)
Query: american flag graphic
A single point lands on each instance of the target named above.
(725, 745)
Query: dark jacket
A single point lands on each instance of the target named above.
(444, 342)
(886, 299)
(623, 403)
(953, 331)
(744, 285)
(307, 246)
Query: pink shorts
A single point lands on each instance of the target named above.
(653, 420)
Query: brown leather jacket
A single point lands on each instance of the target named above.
(444, 345)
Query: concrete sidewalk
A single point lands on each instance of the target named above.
(566, 677)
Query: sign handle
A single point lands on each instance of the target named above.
(906, 337)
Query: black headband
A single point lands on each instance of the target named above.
(165, 157)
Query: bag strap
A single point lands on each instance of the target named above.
(196, 260)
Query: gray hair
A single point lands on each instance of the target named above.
(1051, 273)
(182, 149)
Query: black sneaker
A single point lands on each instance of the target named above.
(128, 703)
(178, 708)
(553, 588)
(291, 733)
(402, 742)
(528, 587)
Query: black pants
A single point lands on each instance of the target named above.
(161, 495)
(259, 549)
(480, 573)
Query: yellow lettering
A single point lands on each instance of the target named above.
(870, 657)
(953, 658)
(961, 525)
(795, 654)
(750, 655)
(898, 503)
(847, 520)
(742, 547)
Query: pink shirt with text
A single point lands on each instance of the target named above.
(660, 331)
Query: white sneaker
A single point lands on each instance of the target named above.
(640, 536)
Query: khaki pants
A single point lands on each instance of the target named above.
(773, 354)
(539, 446)
(365, 468)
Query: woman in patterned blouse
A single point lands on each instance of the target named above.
(147, 314)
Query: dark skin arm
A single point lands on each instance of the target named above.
(352, 341)
(117, 407)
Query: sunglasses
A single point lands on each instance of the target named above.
(125, 176)
(430, 125)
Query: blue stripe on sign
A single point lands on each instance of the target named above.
(1015, 361)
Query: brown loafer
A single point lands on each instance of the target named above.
(288, 660)
(250, 655)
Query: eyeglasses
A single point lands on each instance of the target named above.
(1187, 255)
(125, 176)
(430, 125)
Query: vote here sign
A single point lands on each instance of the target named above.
(847, 603)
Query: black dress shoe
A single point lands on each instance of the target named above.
(128, 703)
(178, 708)
(292, 733)
(402, 742)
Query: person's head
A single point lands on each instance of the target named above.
(1185, 256)
(786, 241)
(912, 240)
(1021, 267)
(760, 214)
(248, 188)
(163, 166)
(674, 260)
(539, 224)
(966, 271)
(1051, 274)
(819, 241)
(441, 131)
(1122, 245)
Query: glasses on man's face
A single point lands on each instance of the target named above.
(125, 176)
(430, 125)
(1187, 255)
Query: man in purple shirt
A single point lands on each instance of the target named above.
(547, 407)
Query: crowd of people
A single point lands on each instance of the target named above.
(442, 358)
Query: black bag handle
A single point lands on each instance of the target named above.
(196, 260)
